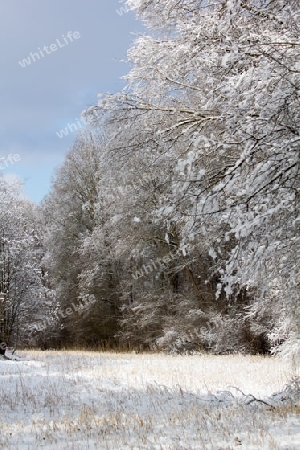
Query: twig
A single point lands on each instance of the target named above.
(254, 399)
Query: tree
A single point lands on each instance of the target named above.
(83, 309)
(214, 92)
(22, 284)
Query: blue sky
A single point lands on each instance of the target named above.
(40, 99)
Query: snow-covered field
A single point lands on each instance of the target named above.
(85, 400)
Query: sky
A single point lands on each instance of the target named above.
(56, 57)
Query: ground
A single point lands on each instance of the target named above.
(90, 400)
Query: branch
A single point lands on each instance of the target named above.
(254, 399)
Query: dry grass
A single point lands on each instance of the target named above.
(88, 400)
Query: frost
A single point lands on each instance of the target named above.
(212, 253)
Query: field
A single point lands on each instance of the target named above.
(89, 400)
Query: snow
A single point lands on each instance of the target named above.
(86, 400)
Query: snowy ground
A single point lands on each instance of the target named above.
(85, 400)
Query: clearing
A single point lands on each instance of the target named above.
(89, 400)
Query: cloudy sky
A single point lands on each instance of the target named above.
(40, 97)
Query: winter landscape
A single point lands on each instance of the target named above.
(151, 299)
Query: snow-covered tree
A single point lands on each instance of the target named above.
(21, 273)
(77, 256)
(213, 94)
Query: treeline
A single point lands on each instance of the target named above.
(174, 221)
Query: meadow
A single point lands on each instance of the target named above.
(92, 400)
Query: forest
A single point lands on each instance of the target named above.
(174, 222)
